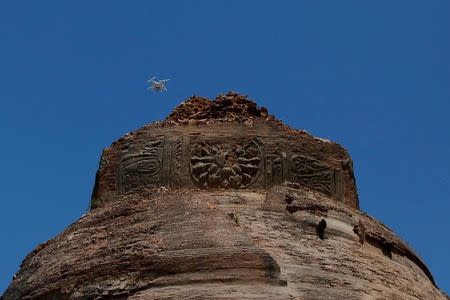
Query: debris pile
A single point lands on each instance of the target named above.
(225, 108)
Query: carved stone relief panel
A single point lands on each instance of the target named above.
(213, 163)
(141, 168)
(316, 175)
(177, 152)
(225, 165)
(312, 173)
(274, 167)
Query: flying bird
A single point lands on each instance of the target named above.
(157, 85)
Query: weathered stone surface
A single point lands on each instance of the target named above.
(227, 143)
(222, 201)
(182, 243)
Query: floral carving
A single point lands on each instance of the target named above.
(233, 166)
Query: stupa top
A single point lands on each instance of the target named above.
(228, 143)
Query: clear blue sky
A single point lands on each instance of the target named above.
(372, 75)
